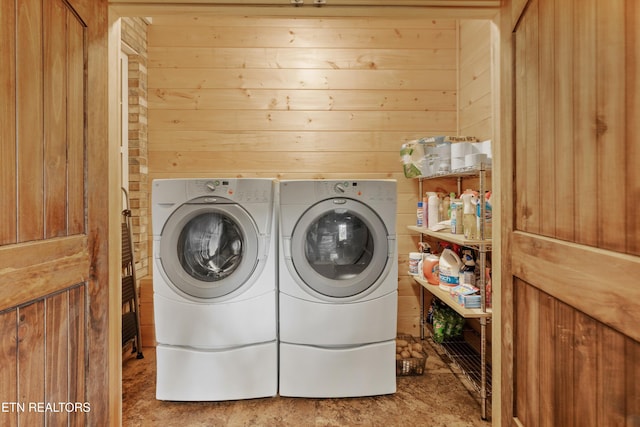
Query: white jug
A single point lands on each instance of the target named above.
(449, 269)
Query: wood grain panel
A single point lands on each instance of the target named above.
(55, 119)
(355, 38)
(76, 92)
(79, 354)
(531, 132)
(548, 369)
(439, 121)
(9, 363)
(611, 378)
(62, 262)
(286, 99)
(560, 151)
(565, 392)
(483, 129)
(8, 203)
(527, 345)
(310, 58)
(147, 325)
(563, 270)
(570, 73)
(56, 320)
(30, 121)
(517, 8)
(52, 116)
(31, 360)
(611, 95)
(586, 374)
(474, 90)
(632, 110)
(520, 164)
(547, 116)
(216, 163)
(474, 113)
(632, 390)
(429, 9)
(327, 22)
(265, 141)
(192, 78)
(573, 370)
(583, 127)
(475, 50)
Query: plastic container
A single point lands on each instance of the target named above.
(468, 270)
(420, 215)
(431, 268)
(469, 222)
(456, 216)
(488, 217)
(433, 210)
(414, 260)
(449, 270)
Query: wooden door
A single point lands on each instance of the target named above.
(570, 196)
(53, 226)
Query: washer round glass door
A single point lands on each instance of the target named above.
(208, 250)
(339, 247)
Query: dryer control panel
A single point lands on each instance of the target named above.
(259, 191)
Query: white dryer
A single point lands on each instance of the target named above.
(215, 288)
(338, 288)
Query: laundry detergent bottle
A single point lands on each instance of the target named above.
(431, 268)
(449, 270)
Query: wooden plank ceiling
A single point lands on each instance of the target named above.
(458, 9)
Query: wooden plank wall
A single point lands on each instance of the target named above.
(301, 98)
(474, 86)
(573, 253)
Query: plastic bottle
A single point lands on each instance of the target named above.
(433, 210)
(468, 271)
(431, 268)
(420, 215)
(446, 208)
(456, 216)
(488, 215)
(469, 222)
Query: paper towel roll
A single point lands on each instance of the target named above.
(474, 160)
(461, 149)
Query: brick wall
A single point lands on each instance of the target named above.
(134, 37)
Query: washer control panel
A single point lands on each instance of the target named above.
(242, 191)
(359, 190)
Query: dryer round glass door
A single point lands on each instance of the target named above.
(208, 251)
(339, 247)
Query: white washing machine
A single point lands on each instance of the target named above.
(338, 288)
(215, 288)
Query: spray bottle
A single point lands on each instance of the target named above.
(469, 222)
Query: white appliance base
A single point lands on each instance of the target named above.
(328, 325)
(366, 370)
(218, 325)
(185, 374)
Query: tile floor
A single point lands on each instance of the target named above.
(437, 398)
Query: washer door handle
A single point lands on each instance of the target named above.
(286, 247)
